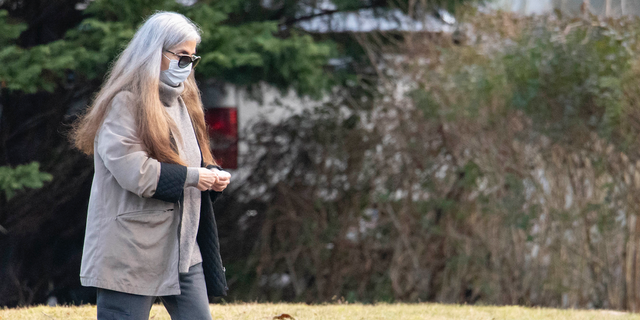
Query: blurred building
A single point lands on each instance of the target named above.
(231, 111)
(611, 8)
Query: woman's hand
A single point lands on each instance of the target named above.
(207, 179)
(223, 180)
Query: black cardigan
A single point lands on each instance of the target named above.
(171, 188)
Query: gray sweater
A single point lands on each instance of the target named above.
(190, 152)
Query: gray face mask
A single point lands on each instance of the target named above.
(175, 75)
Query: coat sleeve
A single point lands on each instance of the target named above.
(127, 160)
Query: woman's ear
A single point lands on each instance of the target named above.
(164, 61)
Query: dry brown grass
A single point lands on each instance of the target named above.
(267, 311)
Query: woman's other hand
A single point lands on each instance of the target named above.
(223, 180)
(206, 179)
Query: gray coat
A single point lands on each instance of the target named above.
(131, 241)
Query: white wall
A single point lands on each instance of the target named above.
(272, 106)
(524, 6)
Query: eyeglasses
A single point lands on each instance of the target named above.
(185, 60)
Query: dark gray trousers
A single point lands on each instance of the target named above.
(191, 303)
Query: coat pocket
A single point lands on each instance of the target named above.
(142, 245)
(147, 229)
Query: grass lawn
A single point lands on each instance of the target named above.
(267, 311)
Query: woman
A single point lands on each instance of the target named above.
(150, 225)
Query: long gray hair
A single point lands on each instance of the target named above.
(137, 69)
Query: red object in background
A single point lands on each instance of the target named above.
(223, 131)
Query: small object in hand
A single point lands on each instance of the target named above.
(284, 316)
